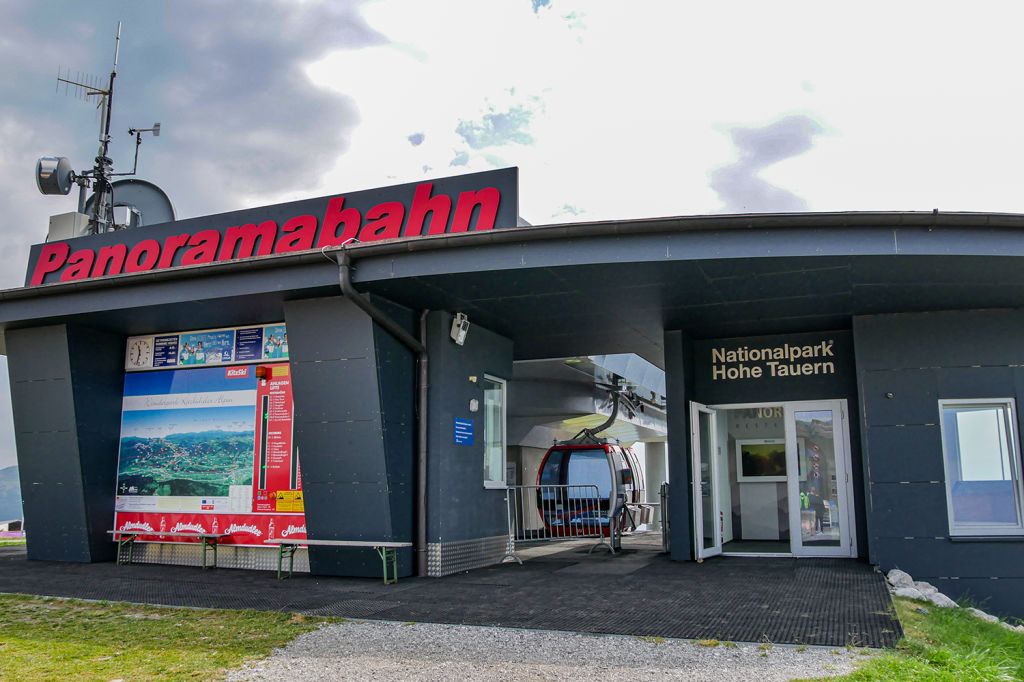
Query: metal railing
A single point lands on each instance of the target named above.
(666, 529)
(549, 513)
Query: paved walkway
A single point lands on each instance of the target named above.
(828, 602)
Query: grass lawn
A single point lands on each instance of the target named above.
(947, 644)
(47, 639)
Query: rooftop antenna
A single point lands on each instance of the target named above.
(54, 174)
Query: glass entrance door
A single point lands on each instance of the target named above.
(819, 500)
(706, 511)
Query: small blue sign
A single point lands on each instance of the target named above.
(165, 351)
(463, 431)
(249, 344)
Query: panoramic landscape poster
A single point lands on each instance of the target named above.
(190, 457)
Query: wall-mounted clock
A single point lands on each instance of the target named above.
(140, 353)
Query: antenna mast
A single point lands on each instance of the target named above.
(102, 204)
(54, 174)
(101, 219)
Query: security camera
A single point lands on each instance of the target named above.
(460, 327)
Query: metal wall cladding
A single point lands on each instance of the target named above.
(906, 364)
(445, 558)
(66, 393)
(190, 554)
(356, 459)
(460, 507)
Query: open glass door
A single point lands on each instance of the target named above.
(817, 448)
(706, 512)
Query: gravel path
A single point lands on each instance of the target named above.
(374, 650)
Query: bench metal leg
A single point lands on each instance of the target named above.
(289, 551)
(208, 545)
(122, 542)
(388, 557)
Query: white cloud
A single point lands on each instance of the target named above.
(632, 103)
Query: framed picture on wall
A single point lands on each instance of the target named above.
(761, 460)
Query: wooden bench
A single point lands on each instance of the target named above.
(386, 551)
(126, 538)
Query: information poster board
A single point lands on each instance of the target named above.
(207, 348)
(210, 450)
(276, 472)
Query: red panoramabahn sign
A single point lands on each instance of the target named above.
(465, 203)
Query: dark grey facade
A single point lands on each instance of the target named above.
(922, 306)
(906, 364)
(464, 519)
(66, 396)
(356, 444)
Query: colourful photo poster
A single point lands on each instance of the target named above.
(276, 476)
(206, 348)
(186, 460)
(275, 344)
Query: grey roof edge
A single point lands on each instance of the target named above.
(511, 235)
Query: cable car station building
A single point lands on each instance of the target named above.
(370, 366)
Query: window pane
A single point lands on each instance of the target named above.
(551, 473)
(589, 467)
(494, 430)
(982, 476)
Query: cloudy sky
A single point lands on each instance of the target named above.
(610, 109)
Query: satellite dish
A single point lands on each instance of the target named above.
(146, 203)
(54, 175)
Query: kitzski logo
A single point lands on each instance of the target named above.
(292, 530)
(237, 372)
(243, 528)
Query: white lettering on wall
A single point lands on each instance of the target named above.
(772, 361)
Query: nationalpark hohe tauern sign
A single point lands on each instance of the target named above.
(465, 203)
(779, 360)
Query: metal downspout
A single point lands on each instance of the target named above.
(419, 347)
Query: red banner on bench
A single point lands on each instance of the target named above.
(243, 529)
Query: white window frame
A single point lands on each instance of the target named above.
(1015, 466)
(500, 484)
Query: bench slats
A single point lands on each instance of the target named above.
(337, 543)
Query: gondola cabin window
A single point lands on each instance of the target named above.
(983, 467)
(494, 432)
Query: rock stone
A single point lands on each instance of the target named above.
(925, 588)
(940, 600)
(909, 593)
(898, 578)
(987, 617)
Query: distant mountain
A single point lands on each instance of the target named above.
(203, 436)
(10, 494)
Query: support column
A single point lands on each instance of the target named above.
(66, 385)
(354, 388)
(678, 383)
